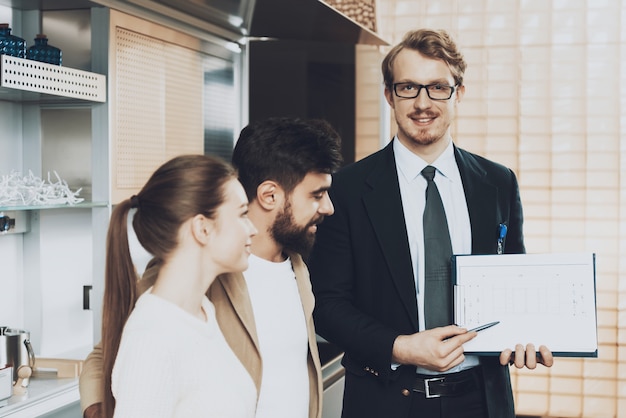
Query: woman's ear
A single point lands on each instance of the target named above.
(201, 228)
(268, 194)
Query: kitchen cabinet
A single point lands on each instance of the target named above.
(48, 115)
(160, 91)
(167, 91)
(176, 81)
(50, 118)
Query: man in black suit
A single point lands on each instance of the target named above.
(367, 269)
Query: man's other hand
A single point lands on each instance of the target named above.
(527, 357)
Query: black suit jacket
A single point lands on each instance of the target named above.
(362, 276)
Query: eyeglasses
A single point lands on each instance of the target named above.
(434, 91)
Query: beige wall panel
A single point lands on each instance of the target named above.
(156, 106)
(536, 101)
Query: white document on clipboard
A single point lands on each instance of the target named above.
(543, 299)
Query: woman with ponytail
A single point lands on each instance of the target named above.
(163, 352)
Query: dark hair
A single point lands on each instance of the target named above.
(435, 44)
(285, 150)
(181, 188)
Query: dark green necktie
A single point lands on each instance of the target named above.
(437, 254)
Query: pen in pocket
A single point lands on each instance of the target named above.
(502, 229)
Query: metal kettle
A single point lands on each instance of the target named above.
(16, 350)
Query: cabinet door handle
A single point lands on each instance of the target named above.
(86, 295)
(6, 223)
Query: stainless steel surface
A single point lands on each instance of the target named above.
(333, 376)
(332, 371)
(70, 30)
(15, 350)
(333, 400)
(230, 14)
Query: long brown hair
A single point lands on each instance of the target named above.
(177, 191)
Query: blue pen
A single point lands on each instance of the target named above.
(501, 236)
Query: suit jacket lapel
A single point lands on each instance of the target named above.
(482, 201)
(384, 207)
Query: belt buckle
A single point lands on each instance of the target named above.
(427, 387)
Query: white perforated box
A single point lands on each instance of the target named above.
(39, 77)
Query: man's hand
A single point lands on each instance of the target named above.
(527, 358)
(93, 411)
(437, 349)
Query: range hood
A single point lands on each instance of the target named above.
(302, 20)
(310, 20)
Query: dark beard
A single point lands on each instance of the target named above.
(291, 236)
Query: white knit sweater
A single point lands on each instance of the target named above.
(171, 364)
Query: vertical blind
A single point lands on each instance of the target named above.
(545, 95)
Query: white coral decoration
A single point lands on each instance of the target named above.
(16, 190)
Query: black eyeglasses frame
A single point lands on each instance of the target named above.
(424, 86)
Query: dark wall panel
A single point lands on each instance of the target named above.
(305, 79)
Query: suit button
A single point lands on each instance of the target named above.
(406, 392)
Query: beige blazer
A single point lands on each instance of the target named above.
(229, 294)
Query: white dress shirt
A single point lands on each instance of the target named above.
(413, 193)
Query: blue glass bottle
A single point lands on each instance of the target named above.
(11, 44)
(43, 52)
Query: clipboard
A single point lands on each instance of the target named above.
(544, 299)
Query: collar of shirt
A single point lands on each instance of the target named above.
(411, 165)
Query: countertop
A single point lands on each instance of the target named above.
(330, 357)
(45, 393)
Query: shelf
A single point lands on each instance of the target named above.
(26, 80)
(84, 205)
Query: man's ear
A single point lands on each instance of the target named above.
(460, 92)
(268, 194)
(389, 97)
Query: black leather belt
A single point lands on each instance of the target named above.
(452, 384)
